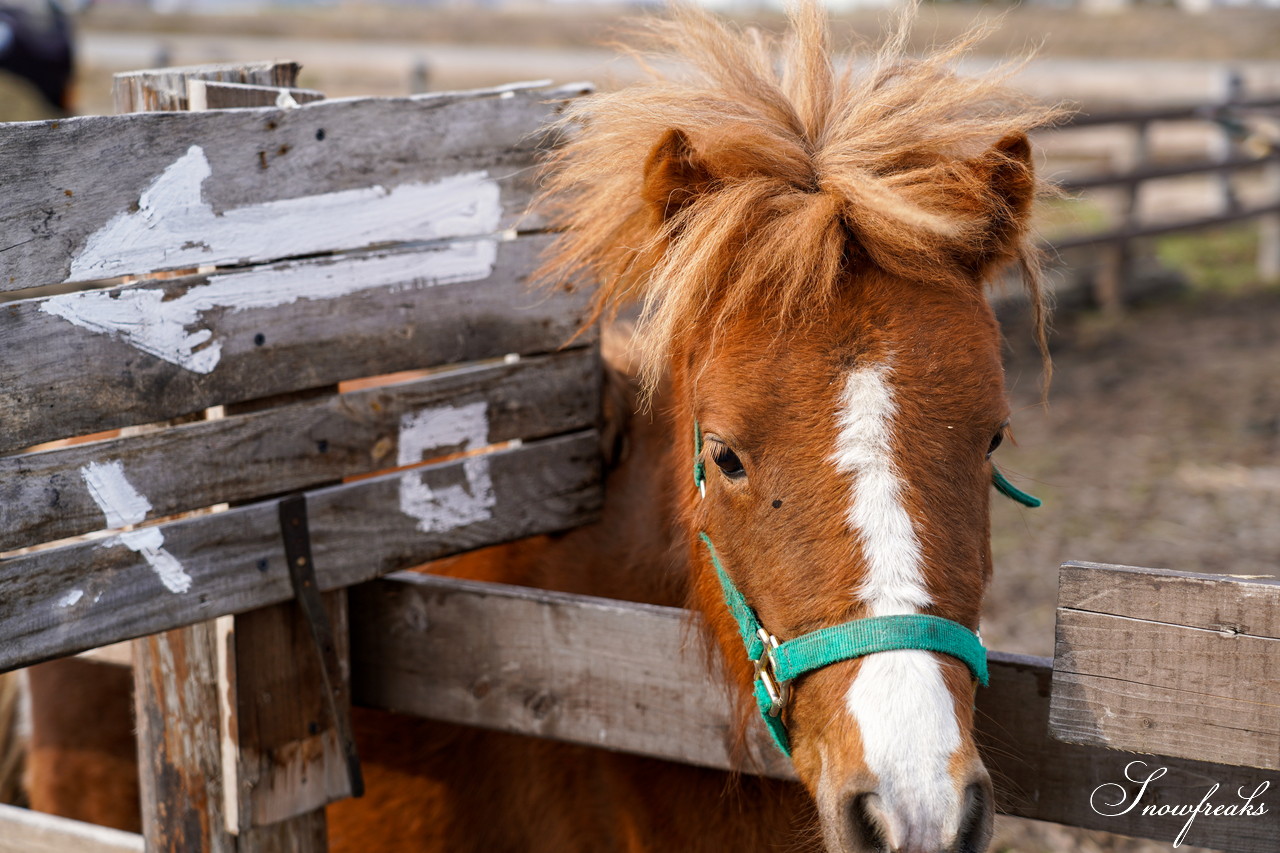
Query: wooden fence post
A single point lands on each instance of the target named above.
(238, 748)
(1118, 257)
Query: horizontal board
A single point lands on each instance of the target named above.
(47, 496)
(198, 188)
(1169, 662)
(80, 363)
(25, 831)
(64, 600)
(632, 677)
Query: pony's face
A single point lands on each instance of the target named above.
(848, 476)
(846, 442)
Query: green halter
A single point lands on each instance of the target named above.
(777, 664)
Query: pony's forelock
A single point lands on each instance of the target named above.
(813, 169)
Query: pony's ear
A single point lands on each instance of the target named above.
(674, 175)
(1011, 183)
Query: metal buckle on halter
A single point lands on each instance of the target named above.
(767, 674)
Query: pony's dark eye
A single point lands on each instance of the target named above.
(727, 461)
(996, 440)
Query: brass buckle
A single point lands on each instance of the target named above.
(767, 674)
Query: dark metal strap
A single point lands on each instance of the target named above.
(297, 551)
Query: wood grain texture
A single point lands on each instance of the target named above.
(209, 95)
(58, 379)
(25, 831)
(57, 195)
(64, 600)
(1169, 662)
(165, 89)
(179, 754)
(281, 756)
(632, 677)
(44, 496)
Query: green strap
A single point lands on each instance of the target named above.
(882, 634)
(1009, 490)
(849, 640)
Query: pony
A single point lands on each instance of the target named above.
(799, 437)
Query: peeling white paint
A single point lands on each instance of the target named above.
(423, 432)
(71, 598)
(159, 326)
(123, 505)
(158, 234)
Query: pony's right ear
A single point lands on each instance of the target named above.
(674, 175)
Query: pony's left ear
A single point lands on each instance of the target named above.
(674, 175)
(1011, 184)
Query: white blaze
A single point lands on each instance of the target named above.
(901, 704)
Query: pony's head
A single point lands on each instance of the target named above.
(811, 248)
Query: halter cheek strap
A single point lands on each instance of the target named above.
(777, 664)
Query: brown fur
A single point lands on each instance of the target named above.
(781, 228)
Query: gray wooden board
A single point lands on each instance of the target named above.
(25, 831)
(60, 601)
(46, 496)
(155, 350)
(1171, 662)
(101, 196)
(633, 677)
(165, 89)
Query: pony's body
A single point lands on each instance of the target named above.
(822, 375)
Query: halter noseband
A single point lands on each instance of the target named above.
(776, 664)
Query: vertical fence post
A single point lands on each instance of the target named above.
(1118, 257)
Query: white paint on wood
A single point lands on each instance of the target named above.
(463, 427)
(25, 831)
(163, 327)
(71, 598)
(123, 505)
(173, 226)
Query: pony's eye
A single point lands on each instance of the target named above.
(996, 440)
(727, 461)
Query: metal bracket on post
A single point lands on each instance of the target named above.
(297, 549)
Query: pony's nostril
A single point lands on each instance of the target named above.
(976, 819)
(867, 828)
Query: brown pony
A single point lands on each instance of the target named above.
(810, 247)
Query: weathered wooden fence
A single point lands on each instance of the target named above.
(1246, 135)
(310, 246)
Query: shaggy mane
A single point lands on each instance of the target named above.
(815, 172)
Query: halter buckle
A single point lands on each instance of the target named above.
(767, 674)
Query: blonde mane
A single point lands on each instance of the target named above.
(814, 172)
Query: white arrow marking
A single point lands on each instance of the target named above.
(174, 227)
(149, 322)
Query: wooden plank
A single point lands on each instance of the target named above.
(165, 89)
(631, 677)
(46, 496)
(159, 349)
(179, 766)
(231, 187)
(281, 754)
(1172, 662)
(587, 670)
(210, 95)
(64, 600)
(1121, 235)
(25, 831)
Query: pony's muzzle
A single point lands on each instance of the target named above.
(870, 828)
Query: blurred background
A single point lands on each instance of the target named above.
(1160, 441)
